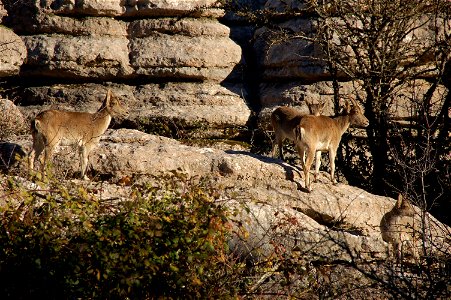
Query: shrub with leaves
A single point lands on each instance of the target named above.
(166, 240)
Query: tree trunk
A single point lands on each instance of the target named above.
(377, 133)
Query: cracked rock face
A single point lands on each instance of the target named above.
(77, 57)
(107, 49)
(64, 42)
(141, 8)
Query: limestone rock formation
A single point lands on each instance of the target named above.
(178, 67)
(104, 48)
(189, 57)
(13, 52)
(77, 57)
(146, 8)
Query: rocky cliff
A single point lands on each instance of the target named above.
(175, 63)
(172, 62)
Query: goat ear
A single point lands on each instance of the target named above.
(108, 96)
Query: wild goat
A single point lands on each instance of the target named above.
(397, 228)
(53, 127)
(320, 133)
(284, 119)
(316, 109)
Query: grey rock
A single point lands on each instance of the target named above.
(13, 52)
(60, 56)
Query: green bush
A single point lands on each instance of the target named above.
(167, 240)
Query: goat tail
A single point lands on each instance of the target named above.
(298, 132)
(275, 120)
(33, 126)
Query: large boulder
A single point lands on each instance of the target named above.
(187, 48)
(187, 57)
(13, 52)
(192, 104)
(86, 57)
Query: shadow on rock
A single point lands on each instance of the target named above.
(10, 154)
(289, 169)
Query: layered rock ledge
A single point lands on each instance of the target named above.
(173, 60)
(339, 222)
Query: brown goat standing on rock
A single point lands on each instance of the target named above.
(284, 119)
(320, 133)
(53, 127)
